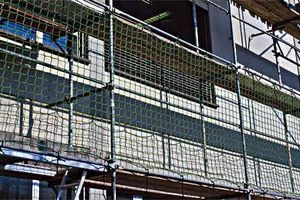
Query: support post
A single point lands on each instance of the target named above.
(71, 90)
(30, 123)
(289, 152)
(79, 188)
(168, 136)
(60, 187)
(195, 19)
(239, 99)
(21, 116)
(34, 55)
(35, 190)
(232, 35)
(112, 104)
(238, 88)
(275, 42)
(203, 131)
(163, 92)
(240, 107)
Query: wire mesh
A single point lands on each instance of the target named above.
(177, 111)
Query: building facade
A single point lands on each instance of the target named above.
(149, 99)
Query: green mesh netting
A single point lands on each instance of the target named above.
(176, 111)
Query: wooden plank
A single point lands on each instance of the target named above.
(139, 183)
(273, 12)
(166, 188)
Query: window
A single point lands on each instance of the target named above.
(59, 43)
(17, 30)
(80, 43)
(178, 18)
(30, 37)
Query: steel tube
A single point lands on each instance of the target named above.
(240, 107)
(112, 103)
(239, 98)
(286, 131)
(71, 90)
(202, 123)
(234, 55)
(203, 132)
(276, 60)
(195, 20)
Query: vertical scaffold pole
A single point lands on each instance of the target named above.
(275, 43)
(71, 89)
(112, 102)
(232, 35)
(289, 152)
(239, 99)
(203, 131)
(195, 19)
(161, 72)
(166, 99)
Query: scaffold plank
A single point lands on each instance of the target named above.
(52, 159)
(275, 13)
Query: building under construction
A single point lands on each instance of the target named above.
(149, 99)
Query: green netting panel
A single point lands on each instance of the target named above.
(177, 111)
(46, 55)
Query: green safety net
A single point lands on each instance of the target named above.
(177, 110)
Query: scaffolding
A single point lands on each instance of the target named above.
(103, 100)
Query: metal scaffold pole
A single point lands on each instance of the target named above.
(195, 20)
(239, 99)
(232, 35)
(289, 152)
(201, 106)
(71, 85)
(112, 103)
(275, 43)
(240, 106)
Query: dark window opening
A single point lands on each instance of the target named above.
(177, 19)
